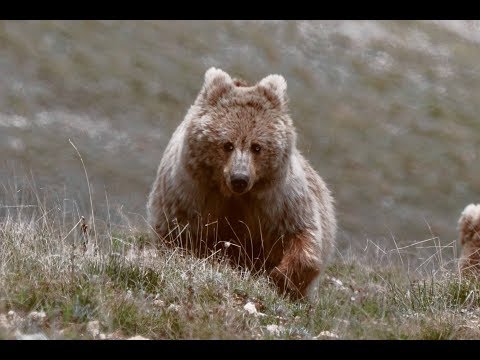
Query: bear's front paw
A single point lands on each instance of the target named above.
(287, 285)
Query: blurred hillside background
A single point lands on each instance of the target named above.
(386, 111)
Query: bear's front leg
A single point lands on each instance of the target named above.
(300, 265)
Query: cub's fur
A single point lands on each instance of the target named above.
(469, 226)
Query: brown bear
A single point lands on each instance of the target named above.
(232, 180)
(469, 226)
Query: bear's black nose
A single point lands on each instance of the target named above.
(239, 182)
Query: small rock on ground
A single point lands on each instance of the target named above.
(326, 335)
(93, 328)
(174, 308)
(275, 329)
(36, 336)
(14, 319)
(138, 337)
(4, 323)
(252, 309)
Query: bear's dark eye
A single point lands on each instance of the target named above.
(228, 146)
(256, 148)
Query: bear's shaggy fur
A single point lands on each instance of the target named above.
(232, 180)
(469, 226)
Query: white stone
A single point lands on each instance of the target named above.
(4, 323)
(14, 319)
(36, 336)
(327, 334)
(37, 316)
(173, 308)
(138, 337)
(158, 303)
(252, 309)
(275, 329)
(93, 328)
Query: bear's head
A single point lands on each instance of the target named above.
(239, 138)
(469, 225)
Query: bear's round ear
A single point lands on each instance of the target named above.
(217, 83)
(214, 75)
(277, 85)
(470, 216)
(469, 223)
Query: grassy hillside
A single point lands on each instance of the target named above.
(53, 287)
